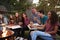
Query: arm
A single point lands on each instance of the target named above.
(20, 23)
(38, 22)
(54, 31)
(43, 26)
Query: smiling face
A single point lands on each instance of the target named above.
(11, 16)
(16, 14)
(24, 15)
(40, 14)
(1, 16)
(49, 15)
(33, 10)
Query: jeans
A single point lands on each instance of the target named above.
(43, 35)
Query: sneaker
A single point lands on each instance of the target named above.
(25, 39)
(21, 38)
(17, 38)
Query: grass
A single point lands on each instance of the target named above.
(57, 37)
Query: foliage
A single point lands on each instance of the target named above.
(14, 5)
(44, 5)
(22, 5)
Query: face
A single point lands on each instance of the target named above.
(1, 16)
(33, 10)
(24, 15)
(49, 14)
(40, 14)
(16, 14)
(12, 21)
(11, 16)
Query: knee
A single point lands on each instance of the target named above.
(32, 33)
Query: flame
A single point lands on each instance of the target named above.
(4, 29)
(4, 32)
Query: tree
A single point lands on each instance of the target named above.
(47, 5)
(19, 6)
(14, 5)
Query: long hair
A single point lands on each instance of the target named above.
(53, 18)
(23, 17)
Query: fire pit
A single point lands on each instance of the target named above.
(7, 35)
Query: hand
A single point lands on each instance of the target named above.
(35, 26)
(30, 25)
(20, 23)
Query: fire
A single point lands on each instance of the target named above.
(4, 29)
(4, 32)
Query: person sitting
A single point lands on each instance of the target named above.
(51, 28)
(43, 18)
(18, 19)
(11, 23)
(3, 19)
(26, 21)
(11, 20)
(11, 17)
(34, 15)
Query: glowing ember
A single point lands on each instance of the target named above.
(4, 32)
(4, 29)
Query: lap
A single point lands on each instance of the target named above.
(40, 33)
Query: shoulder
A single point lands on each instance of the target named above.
(45, 16)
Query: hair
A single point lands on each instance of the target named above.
(33, 8)
(25, 14)
(11, 18)
(23, 17)
(41, 11)
(53, 18)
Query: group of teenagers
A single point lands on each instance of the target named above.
(49, 23)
